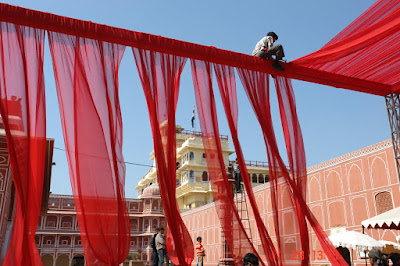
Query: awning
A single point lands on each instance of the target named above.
(386, 220)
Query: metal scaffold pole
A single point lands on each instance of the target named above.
(393, 109)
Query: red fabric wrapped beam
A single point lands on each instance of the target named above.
(141, 40)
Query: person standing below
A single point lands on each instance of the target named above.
(153, 246)
(250, 259)
(395, 258)
(200, 252)
(376, 258)
(161, 246)
(237, 175)
(265, 48)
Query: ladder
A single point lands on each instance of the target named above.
(241, 205)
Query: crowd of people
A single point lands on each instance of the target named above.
(377, 258)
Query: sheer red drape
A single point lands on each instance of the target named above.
(160, 76)
(86, 74)
(232, 227)
(367, 49)
(23, 114)
(227, 87)
(256, 86)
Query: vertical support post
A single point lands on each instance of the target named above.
(393, 109)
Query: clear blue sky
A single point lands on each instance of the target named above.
(334, 121)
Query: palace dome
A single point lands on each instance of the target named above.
(151, 191)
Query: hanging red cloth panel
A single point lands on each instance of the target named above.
(233, 229)
(256, 85)
(87, 84)
(160, 76)
(227, 87)
(23, 114)
(367, 49)
(297, 162)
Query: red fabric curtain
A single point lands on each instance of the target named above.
(232, 227)
(87, 84)
(227, 87)
(257, 88)
(23, 112)
(367, 49)
(160, 76)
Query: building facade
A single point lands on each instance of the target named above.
(58, 238)
(342, 192)
(192, 181)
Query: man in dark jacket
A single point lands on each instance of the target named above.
(153, 246)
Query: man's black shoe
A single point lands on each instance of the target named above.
(277, 66)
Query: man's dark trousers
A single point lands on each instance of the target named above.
(161, 253)
(155, 257)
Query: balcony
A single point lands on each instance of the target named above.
(199, 134)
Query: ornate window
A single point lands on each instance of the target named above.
(191, 156)
(66, 222)
(51, 221)
(383, 202)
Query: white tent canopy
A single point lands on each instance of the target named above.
(386, 220)
(352, 239)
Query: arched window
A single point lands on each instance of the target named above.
(254, 178)
(260, 179)
(266, 178)
(383, 202)
(205, 176)
(66, 222)
(51, 221)
(178, 182)
(49, 240)
(191, 176)
(78, 241)
(64, 241)
(204, 155)
(191, 156)
(154, 224)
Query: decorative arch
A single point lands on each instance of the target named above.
(289, 223)
(318, 212)
(289, 249)
(49, 241)
(66, 221)
(286, 198)
(337, 214)
(359, 209)
(355, 179)
(48, 260)
(62, 260)
(64, 241)
(51, 221)
(154, 224)
(333, 185)
(314, 188)
(379, 174)
(383, 202)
